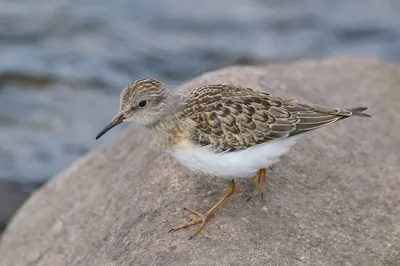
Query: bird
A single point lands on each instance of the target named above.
(223, 130)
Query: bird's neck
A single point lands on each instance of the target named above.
(173, 102)
(168, 132)
(168, 128)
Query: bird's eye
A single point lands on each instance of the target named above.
(142, 104)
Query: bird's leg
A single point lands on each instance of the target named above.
(261, 179)
(264, 183)
(257, 179)
(203, 218)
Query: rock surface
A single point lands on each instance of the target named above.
(333, 200)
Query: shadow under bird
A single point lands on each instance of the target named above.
(223, 130)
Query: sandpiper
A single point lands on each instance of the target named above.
(223, 130)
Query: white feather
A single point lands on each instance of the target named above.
(237, 164)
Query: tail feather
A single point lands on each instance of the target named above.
(358, 111)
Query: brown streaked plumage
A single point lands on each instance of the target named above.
(224, 130)
(230, 117)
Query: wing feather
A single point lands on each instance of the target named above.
(229, 117)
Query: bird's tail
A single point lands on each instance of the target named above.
(358, 111)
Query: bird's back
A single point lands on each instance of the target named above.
(230, 117)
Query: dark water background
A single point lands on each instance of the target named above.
(63, 63)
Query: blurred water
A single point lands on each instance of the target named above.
(64, 62)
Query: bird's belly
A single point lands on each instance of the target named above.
(233, 165)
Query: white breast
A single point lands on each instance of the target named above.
(233, 165)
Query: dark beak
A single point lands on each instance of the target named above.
(116, 121)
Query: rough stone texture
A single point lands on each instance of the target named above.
(333, 200)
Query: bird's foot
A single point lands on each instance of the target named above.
(202, 219)
(261, 179)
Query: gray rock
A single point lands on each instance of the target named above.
(333, 200)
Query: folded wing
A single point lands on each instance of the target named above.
(229, 118)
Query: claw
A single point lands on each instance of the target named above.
(203, 218)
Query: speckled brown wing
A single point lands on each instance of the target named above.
(229, 117)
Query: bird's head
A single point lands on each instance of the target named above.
(142, 102)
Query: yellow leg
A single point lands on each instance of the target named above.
(261, 179)
(264, 183)
(203, 218)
